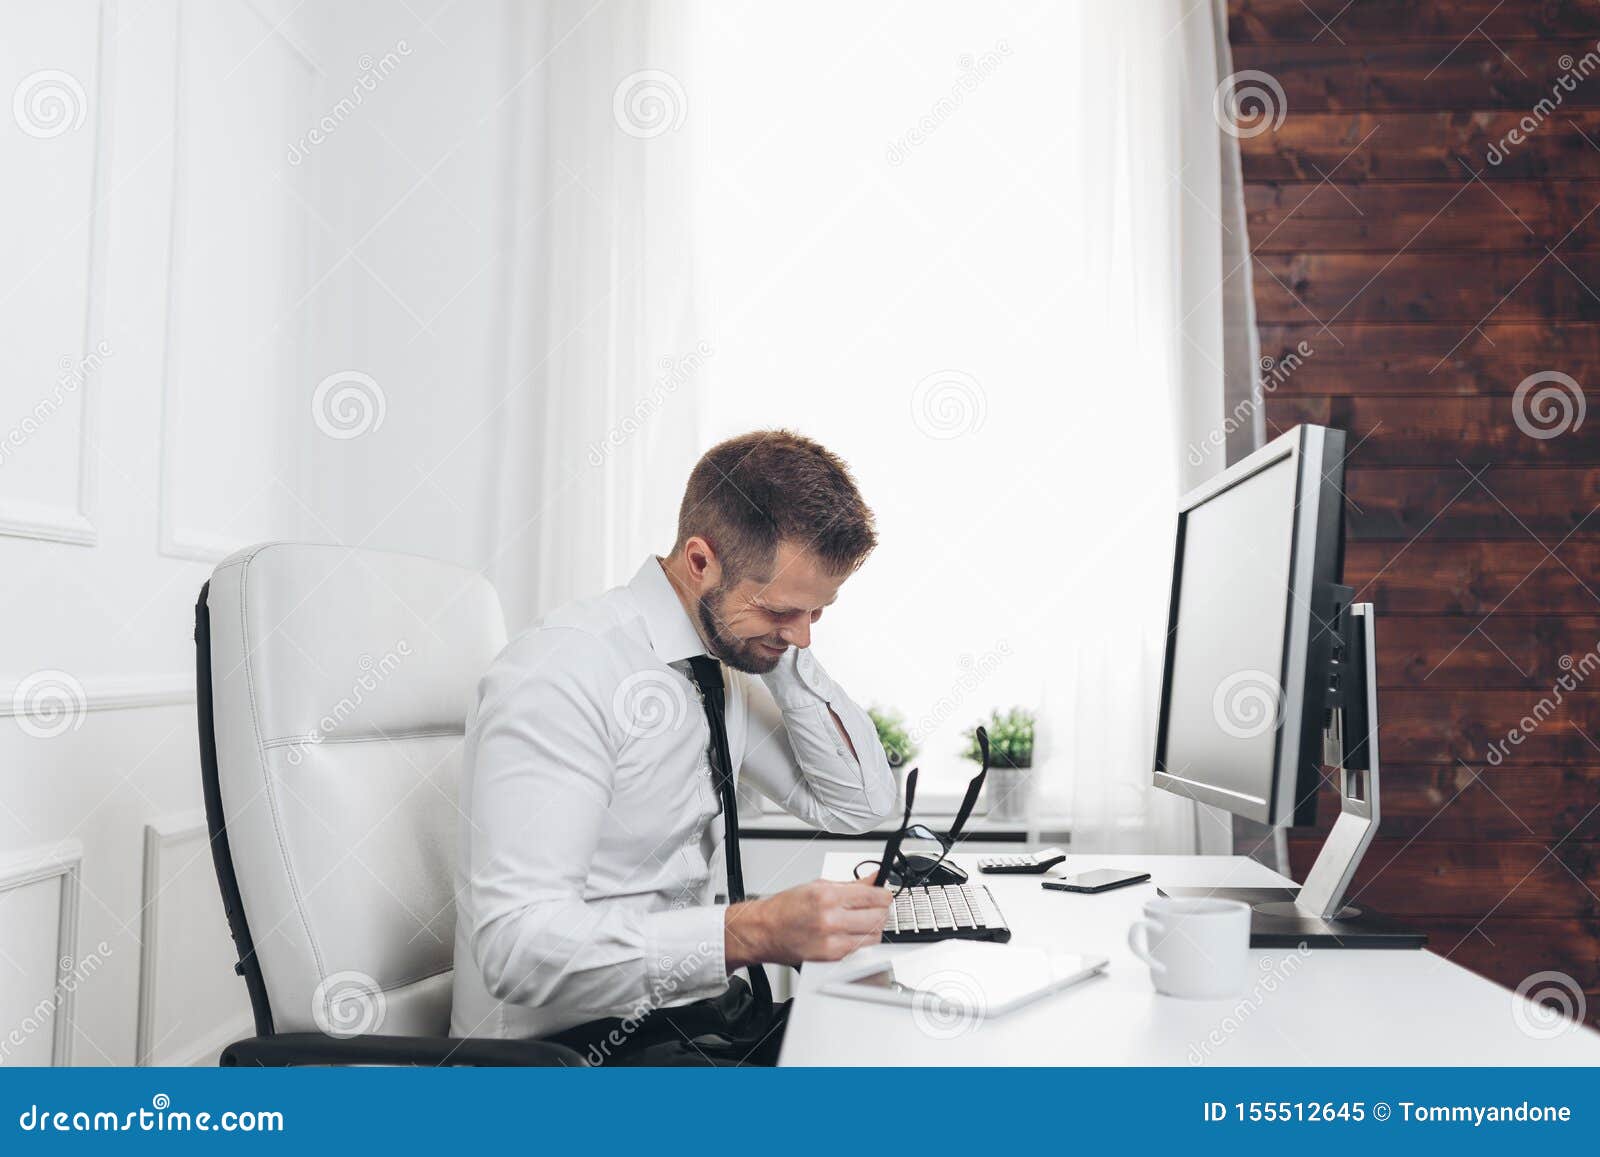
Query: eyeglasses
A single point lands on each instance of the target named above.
(893, 867)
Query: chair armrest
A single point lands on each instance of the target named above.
(315, 1048)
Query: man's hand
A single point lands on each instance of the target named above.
(821, 920)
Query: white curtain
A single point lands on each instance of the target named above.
(606, 347)
(1171, 179)
(993, 256)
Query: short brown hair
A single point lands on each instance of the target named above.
(749, 493)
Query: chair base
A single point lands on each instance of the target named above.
(283, 1050)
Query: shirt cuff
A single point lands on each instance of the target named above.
(799, 680)
(685, 959)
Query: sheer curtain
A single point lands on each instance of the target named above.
(606, 345)
(981, 254)
(1175, 190)
(990, 254)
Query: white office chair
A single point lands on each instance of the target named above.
(333, 687)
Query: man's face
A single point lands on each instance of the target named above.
(751, 622)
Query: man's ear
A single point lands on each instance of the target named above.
(701, 563)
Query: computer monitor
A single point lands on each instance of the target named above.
(1270, 675)
(1249, 636)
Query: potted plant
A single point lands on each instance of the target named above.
(896, 740)
(1009, 788)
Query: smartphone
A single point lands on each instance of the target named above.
(1099, 880)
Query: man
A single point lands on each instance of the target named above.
(594, 793)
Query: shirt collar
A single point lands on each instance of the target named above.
(671, 632)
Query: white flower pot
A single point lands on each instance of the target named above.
(1009, 791)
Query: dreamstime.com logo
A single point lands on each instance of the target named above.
(348, 1004)
(1274, 372)
(1573, 71)
(948, 1004)
(974, 671)
(49, 703)
(1274, 974)
(1576, 672)
(949, 404)
(673, 985)
(1548, 1004)
(73, 373)
(160, 1117)
(649, 103)
(1249, 103)
(373, 673)
(49, 103)
(1247, 704)
(348, 404)
(372, 71)
(972, 71)
(650, 703)
(674, 374)
(1548, 404)
(74, 973)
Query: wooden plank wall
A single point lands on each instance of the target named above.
(1432, 263)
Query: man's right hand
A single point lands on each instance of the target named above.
(822, 920)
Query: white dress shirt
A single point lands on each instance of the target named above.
(590, 818)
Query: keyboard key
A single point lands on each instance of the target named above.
(924, 914)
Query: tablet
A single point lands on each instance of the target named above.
(973, 978)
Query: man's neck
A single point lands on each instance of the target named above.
(672, 567)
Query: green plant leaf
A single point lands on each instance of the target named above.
(1010, 738)
(892, 733)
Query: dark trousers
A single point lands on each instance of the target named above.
(728, 1030)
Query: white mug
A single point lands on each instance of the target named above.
(1198, 948)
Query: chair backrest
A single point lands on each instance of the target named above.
(340, 682)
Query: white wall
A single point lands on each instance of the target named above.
(410, 236)
(184, 237)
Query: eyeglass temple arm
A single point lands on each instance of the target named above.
(970, 800)
(891, 846)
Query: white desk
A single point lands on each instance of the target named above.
(1323, 1007)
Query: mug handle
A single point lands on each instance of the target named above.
(1139, 942)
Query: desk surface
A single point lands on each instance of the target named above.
(1320, 1007)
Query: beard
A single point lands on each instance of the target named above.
(740, 654)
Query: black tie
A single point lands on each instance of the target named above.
(707, 675)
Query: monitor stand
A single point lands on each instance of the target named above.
(1315, 914)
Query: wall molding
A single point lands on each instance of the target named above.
(76, 526)
(117, 694)
(159, 835)
(63, 860)
(162, 837)
(49, 523)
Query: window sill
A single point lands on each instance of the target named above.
(980, 828)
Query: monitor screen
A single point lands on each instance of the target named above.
(1226, 698)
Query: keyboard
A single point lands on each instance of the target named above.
(945, 912)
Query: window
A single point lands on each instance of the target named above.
(967, 300)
